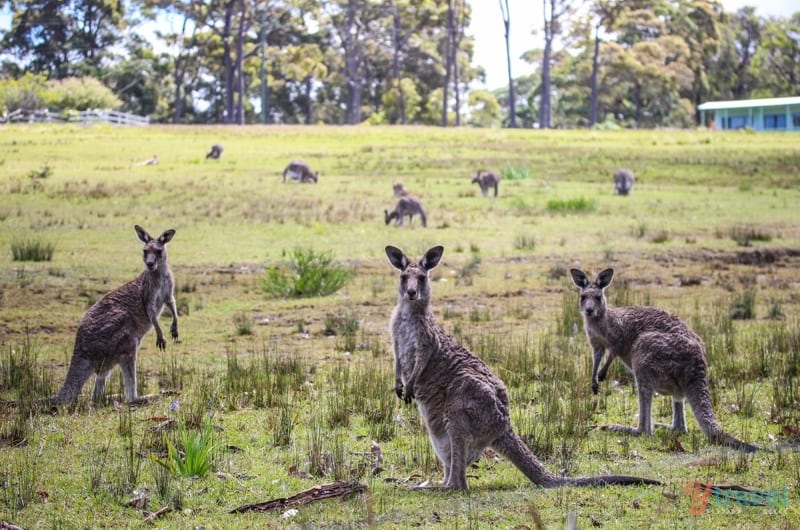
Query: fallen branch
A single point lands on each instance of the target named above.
(317, 493)
(158, 513)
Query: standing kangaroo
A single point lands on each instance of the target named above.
(112, 330)
(664, 354)
(464, 405)
(623, 181)
(300, 171)
(486, 180)
(407, 205)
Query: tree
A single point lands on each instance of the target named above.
(553, 11)
(512, 104)
(777, 60)
(63, 38)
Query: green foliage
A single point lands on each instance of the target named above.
(311, 274)
(32, 249)
(24, 93)
(578, 205)
(80, 93)
(743, 305)
(194, 457)
(515, 173)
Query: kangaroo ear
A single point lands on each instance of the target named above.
(396, 257)
(144, 237)
(166, 237)
(604, 278)
(579, 278)
(432, 257)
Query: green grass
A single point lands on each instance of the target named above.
(300, 390)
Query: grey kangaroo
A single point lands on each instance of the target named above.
(664, 354)
(623, 181)
(110, 333)
(464, 405)
(216, 151)
(486, 180)
(407, 205)
(300, 171)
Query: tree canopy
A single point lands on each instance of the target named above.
(642, 63)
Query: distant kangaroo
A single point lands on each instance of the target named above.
(486, 180)
(664, 354)
(464, 405)
(299, 171)
(407, 205)
(112, 330)
(399, 190)
(623, 181)
(216, 151)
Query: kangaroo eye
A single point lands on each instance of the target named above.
(583, 298)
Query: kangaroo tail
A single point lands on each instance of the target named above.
(80, 369)
(512, 447)
(700, 401)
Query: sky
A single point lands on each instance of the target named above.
(526, 16)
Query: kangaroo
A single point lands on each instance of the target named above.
(664, 354)
(299, 171)
(464, 405)
(623, 181)
(407, 205)
(151, 162)
(486, 180)
(216, 151)
(399, 190)
(110, 333)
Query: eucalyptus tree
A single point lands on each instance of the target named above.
(777, 60)
(63, 38)
(512, 103)
(554, 12)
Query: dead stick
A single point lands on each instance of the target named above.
(322, 491)
(155, 515)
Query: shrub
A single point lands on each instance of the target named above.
(515, 173)
(80, 93)
(195, 456)
(745, 235)
(312, 274)
(32, 250)
(579, 205)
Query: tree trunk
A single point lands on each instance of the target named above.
(448, 66)
(227, 62)
(396, 42)
(512, 103)
(544, 105)
(352, 66)
(595, 68)
(240, 65)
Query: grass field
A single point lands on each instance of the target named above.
(295, 392)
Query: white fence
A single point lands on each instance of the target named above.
(87, 117)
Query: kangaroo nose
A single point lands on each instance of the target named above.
(589, 311)
(412, 293)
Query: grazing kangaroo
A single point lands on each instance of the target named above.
(486, 180)
(299, 171)
(664, 354)
(112, 330)
(464, 405)
(151, 162)
(623, 181)
(216, 151)
(408, 205)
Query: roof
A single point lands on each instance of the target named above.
(749, 103)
